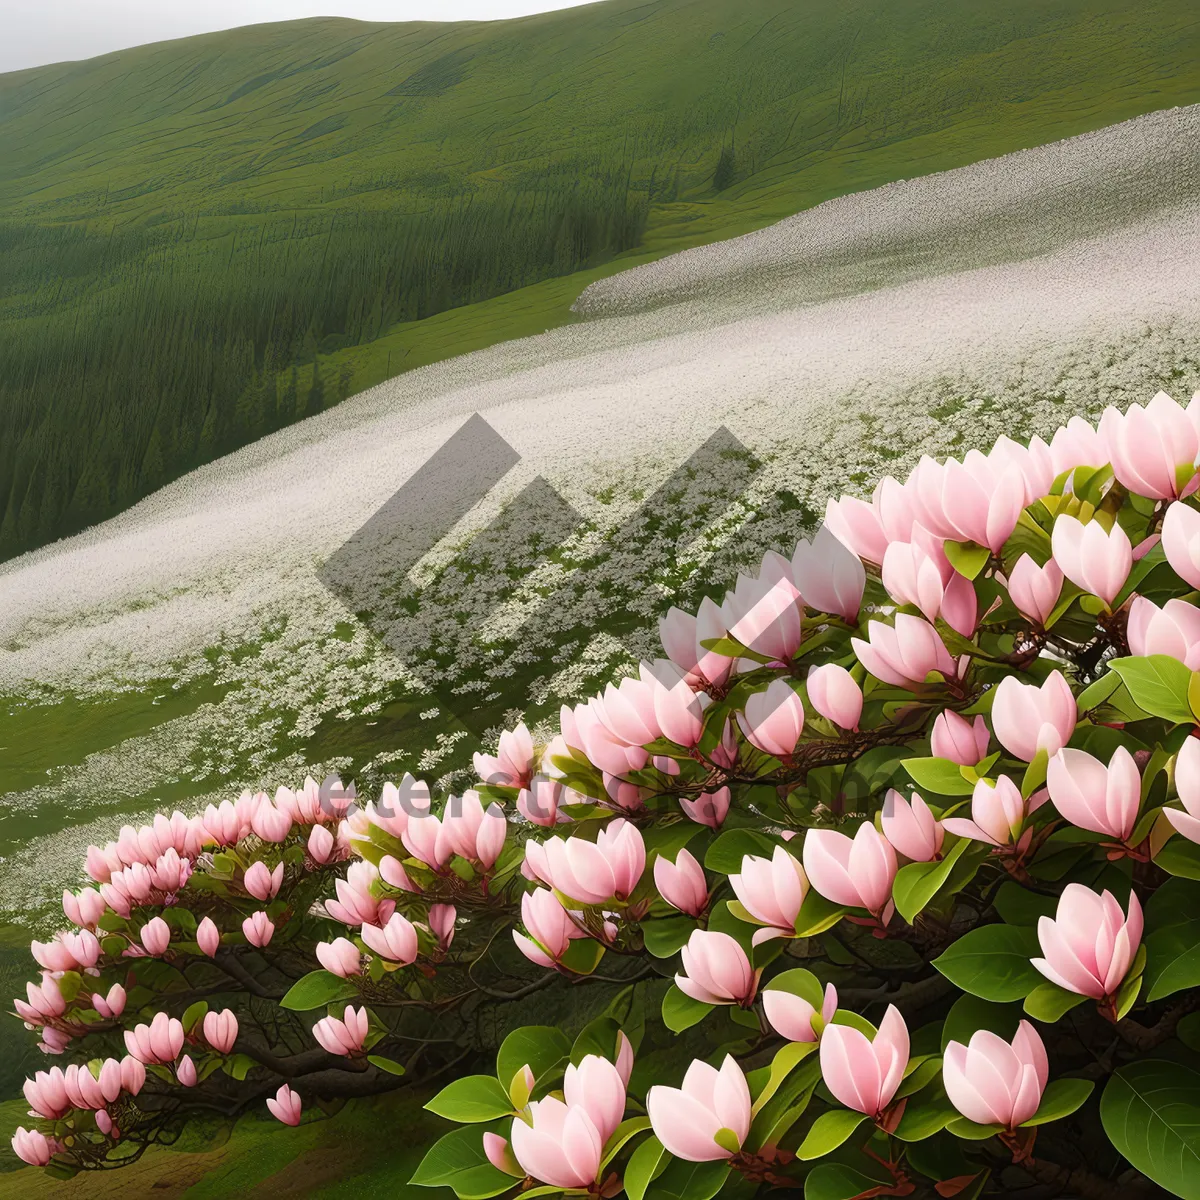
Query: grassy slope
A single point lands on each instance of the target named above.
(217, 137)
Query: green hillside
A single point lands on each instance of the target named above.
(204, 240)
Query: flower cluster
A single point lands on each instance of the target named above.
(880, 818)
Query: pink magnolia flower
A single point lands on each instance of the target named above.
(156, 936)
(500, 1155)
(32, 1146)
(624, 1063)
(68, 951)
(473, 832)
(596, 1086)
(1153, 449)
(85, 1090)
(54, 1041)
(285, 1106)
(834, 694)
(857, 872)
(773, 720)
(682, 637)
(208, 937)
(84, 908)
(1090, 944)
(539, 802)
(321, 845)
(864, 1074)
(959, 740)
(550, 927)
(687, 1120)
(261, 882)
(441, 923)
(913, 576)
(596, 872)
(905, 654)
(512, 764)
(716, 970)
(392, 872)
(185, 1072)
(771, 890)
(158, 1042)
(1181, 542)
(225, 825)
(1077, 444)
(560, 1145)
(584, 730)
(1096, 561)
(340, 957)
(45, 1001)
(258, 929)
(46, 1094)
(994, 1082)
(1035, 590)
(221, 1030)
(764, 614)
(347, 1036)
(911, 827)
(1095, 797)
(170, 873)
(830, 577)
(1028, 718)
(794, 1018)
(1187, 785)
(977, 500)
(998, 813)
(1173, 629)
(112, 1005)
(396, 941)
(709, 808)
(133, 1074)
(356, 901)
(682, 883)
(272, 824)
(100, 864)
(104, 1122)
(867, 528)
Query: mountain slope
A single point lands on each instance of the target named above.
(210, 238)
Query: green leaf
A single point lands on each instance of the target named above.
(1048, 1002)
(621, 1136)
(992, 962)
(969, 1014)
(1180, 857)
(193, 1014)
(644, 1164)
(817, 914)
(1097, 692)
(920, 1121)
(1158, 684)
(1173, 959)
(967, 558)
(1060, 1099)
(597, 1037)
(1151, 1113)
(971, 1132)
(918, 883)
(471, 1099)
(938, 775)
(680, 1011)
(316, 990)
(458, 1161)
(388, 1064)
(783, 1064)
(582, 956)
(689, 1181)
(729, 848)
(239, 1066)
(829, 1131)
(837, 1181)
(544, 1049)
(799, 982)
(666, 936)
(1018, 905)
(920, 1071)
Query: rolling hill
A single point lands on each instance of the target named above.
(208, 239)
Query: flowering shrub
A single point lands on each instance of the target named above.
(884, 882)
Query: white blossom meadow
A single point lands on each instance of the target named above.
(213, 583)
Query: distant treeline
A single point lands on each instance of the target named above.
(129, 357)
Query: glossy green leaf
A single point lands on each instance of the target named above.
(458, 1161)
(729, 848)
(1151, 1113)
(545, 1049)
(938, 775)
(644, 1164)
(918, 883)
(1179, 857)
(316, 990)
(969, 1014)
(391, 1066)
(1061, 1098)
(471, 1099)
(1158, 684)
(993, 962)
(680, 1012)
(689, 1181)
(666, 936)
(967, 558)
(829, 1131)
(1048, 1002)
(786, 1060)
(837, 1181)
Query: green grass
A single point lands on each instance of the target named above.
(208, 238)
(368, 1149)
